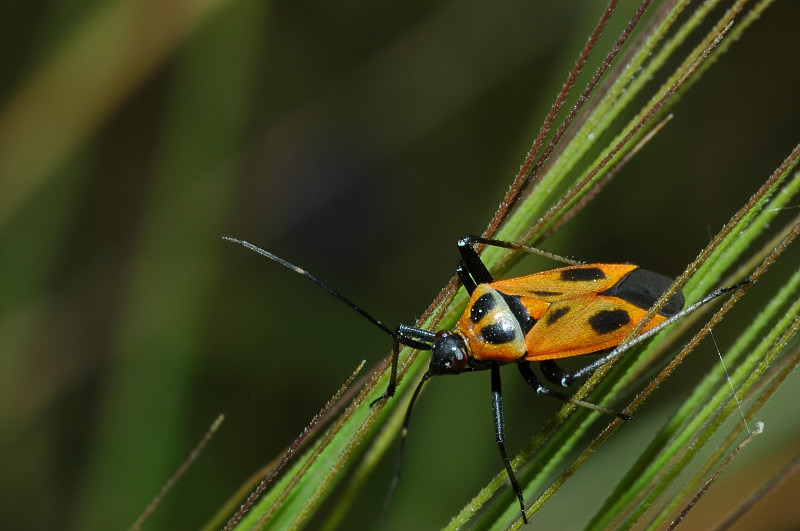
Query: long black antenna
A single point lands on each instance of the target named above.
(315, 280)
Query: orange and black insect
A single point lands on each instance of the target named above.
(570, 311)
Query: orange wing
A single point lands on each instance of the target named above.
(584, 324)
(565, 282)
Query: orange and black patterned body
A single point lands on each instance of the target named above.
(562, 312)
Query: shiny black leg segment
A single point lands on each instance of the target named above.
(500, 434)
(557, 375)
(472, 262)
(466, 279)
(410, 337)
(532, 380)
(530, 377)
(553, 373)
(392, 386)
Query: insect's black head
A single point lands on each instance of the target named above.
(449, 353)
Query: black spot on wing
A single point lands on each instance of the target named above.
(556, 314)
(519, 310)
(482, 306)
(498, 333)
(607, 321)
(546, 293)
(582, 273)
(642, 288)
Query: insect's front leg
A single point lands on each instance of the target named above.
(392, 386)
(409, 336)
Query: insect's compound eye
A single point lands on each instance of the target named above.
(449, 353)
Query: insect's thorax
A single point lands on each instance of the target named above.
(495, 324)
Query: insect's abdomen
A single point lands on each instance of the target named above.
(495, 324)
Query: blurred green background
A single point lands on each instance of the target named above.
(359, 140)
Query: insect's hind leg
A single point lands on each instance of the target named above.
(554, 373)
(550, 368)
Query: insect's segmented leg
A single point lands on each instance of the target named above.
(553, 372)
(466, 279)
(470, 241)
(500, 435)
(530, 377)
(533, 381)
(392, 386)
(408, 336)
(473, 263)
